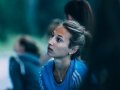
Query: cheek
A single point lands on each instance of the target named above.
(63, 49)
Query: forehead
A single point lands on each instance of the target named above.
(60, 30)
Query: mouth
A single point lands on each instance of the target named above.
(49, 49)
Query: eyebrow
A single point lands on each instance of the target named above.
(58, 35)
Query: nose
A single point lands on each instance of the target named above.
(51, 41)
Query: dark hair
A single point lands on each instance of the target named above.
(81, 12)
(29, 44)
(78, 33)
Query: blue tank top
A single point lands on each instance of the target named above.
(72, 80)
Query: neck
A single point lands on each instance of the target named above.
(62, 64)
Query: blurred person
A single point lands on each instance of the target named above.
(67, 70)
(81, 11)
(104, 57)
(54, 24)
(24, 68)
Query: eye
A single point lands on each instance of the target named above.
(59, 39)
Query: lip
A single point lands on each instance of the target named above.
(49, 49)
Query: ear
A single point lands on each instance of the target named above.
(74, 49)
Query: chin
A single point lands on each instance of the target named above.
(49, 54)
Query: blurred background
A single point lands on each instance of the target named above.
(28, 17)
(31, 17)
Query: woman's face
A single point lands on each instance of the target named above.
(58, 43)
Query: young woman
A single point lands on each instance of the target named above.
(66, 71)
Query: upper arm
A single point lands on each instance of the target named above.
(15, 75)
(77, 79)
(79, 74)
(41, 80)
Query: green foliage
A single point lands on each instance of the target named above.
(13, 14)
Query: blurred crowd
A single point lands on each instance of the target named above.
(100, 51)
